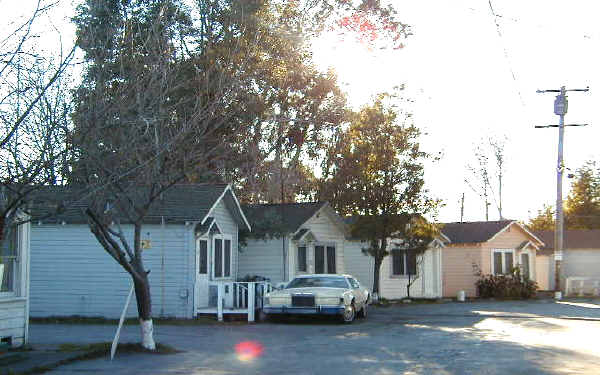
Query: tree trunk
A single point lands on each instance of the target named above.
(142, 292)
(144, 305)
(376, 275)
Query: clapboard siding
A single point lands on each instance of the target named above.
(425, 286)
(458, 272)
(358, 264)
(12, 320)
(71, 274)
(262, 258)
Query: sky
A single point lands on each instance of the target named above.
(458, 67)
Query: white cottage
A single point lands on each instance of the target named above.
(191, 236)
(14, 286)
(312, 240)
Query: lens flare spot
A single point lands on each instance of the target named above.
(248, 350)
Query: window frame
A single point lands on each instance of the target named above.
(325, 246)
(213, 250)
(405, 265)
(16, 260)
(298, 269)
(504, 271)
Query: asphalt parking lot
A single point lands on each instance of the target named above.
(537, 337)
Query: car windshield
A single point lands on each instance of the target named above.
(308, 282)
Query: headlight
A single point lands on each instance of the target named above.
(329, 301)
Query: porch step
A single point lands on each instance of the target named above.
(213, 310)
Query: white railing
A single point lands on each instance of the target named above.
(241, 295)
(582, 286)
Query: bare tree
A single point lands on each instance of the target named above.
(481, 174)
(152, 113)
(34, 108)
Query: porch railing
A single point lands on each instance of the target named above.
(241, 295)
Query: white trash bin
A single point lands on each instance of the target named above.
(460, 296)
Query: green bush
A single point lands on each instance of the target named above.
(512, 285)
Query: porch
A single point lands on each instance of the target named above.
(235, 297)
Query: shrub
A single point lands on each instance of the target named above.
(512, 285)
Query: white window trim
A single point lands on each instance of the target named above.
(405, 274)
(307, 247)
(202, 238)
(222, 237)
(325, 246)
(16, 271)
(503, 251)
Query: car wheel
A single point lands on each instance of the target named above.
(363, 312)
(349, 314)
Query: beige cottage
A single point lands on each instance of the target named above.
(494, 247)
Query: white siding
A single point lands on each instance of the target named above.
(358, 264)
(71, 274)
(427, 285)
(262, 258)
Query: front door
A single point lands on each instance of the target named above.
(201, 285)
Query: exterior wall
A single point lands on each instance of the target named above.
(358, 264)
(14, 309)
(427, 284)
(262, 258)
(511, 239)
(457, 269)
(71, 274)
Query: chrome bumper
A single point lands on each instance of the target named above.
(316, 310)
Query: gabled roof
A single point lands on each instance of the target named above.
(481, 231)
(180, 203)
(474, 231)
(572, 239)
(291, 216)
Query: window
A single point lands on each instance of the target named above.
(323, 263)
(502, 261)
(353, 283)
(319, 259)
(525, 266)
(301, 258)
(9, 259)
(203, 261)
(222, 257)
(404, 262)
(227, 263)
(330, 259)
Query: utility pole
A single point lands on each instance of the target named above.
(560, 109)
(462, 207)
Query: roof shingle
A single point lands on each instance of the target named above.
(572, 239)
(473, 232)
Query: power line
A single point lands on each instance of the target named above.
(505, 50)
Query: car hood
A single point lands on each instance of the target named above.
(319, 291)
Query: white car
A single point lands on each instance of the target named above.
(320, 294)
